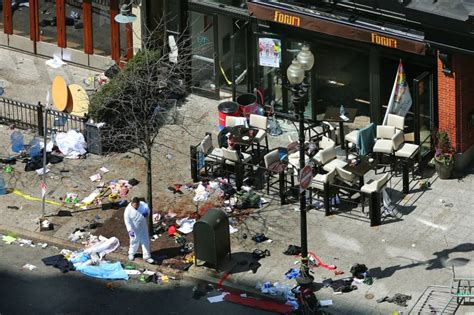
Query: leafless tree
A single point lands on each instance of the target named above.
(140, 99)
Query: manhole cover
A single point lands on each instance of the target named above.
(369, 296)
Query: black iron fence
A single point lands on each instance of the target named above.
(29, 116)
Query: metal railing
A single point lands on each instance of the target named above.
(29, 116)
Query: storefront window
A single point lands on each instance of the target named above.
(1, 17)
(47, 21)
(269, 56)
(74, 26)
(21, 19)
(203, 53)
(101, 29)
(342, 78)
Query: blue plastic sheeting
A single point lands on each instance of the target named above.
(112, 271)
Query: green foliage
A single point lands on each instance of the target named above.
(444, 152)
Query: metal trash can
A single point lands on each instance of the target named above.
(247, 104)
(212, 237)
(227, 109)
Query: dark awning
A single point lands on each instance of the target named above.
(392, 36)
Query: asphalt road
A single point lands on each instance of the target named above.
(45, 290)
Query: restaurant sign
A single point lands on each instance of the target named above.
(293, 16)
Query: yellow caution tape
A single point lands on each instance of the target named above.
(28, 197)
(223, 74)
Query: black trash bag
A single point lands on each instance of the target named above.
(34, 164)
(228, 190)
(358, 271)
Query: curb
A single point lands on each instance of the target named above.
(193, 274)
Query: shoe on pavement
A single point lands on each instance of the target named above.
(150, 261)
(131, 257)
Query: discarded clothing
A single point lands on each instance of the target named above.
(71, 144)
(292, 250)
(292, 273)
(340, 285)
(59, 262)
(112, 271)
(398, 298)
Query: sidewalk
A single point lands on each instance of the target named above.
(404, 256)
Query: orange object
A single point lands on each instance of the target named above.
(80, 100)
(61, 96)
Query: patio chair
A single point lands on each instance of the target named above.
(232, 121)
(361, 141)
(269, 159)
(328, 159)
(372, 187)
(321, 185)
(396, 121)
(388, 141)
(237, 161)
(406, 153)
(211, 154)
(260, 122)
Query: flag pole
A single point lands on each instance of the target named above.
(392, 96)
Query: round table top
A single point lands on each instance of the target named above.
(60, 93)
(80, 100)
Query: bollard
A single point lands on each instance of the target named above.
(327, 206)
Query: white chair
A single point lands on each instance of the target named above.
(396, 121)
(232, 121)
(384, 143)
(407, 153)
(328, 159)
(321, 182)
(260, 122)
(373, 186)
(270, 158)
(232, 156)
(326, 142)
(346, 177)
(211, 154)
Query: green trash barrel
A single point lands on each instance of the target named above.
(212, 237)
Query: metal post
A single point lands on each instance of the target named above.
(406, 184)
(299, 98)
(327, 206)
(45, 139)
(194, 158)
(374, 209)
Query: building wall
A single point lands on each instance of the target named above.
(447, 99)
(456, 101)
(465, 91)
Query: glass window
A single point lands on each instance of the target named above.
(74, 26)
(342, 78)
(47, 21)
(269, 61)
(21, 18)
(101, 29)
(123, 41)
(1, 17)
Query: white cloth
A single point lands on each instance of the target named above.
(136, 222)
(104, 247)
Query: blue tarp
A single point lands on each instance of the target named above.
(112, 271)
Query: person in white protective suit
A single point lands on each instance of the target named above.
(135, 220)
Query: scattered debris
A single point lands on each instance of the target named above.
(29, 267)
(399, 299)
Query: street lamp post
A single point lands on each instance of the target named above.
(300, 88)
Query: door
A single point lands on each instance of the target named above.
(204, 54)
(424, 113)
(239, 58)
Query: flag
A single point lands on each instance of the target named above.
(44, 188)
(400, 99)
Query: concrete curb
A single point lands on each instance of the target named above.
(193, 274)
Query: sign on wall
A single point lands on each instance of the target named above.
(269, 52)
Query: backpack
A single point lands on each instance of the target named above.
(247, 200)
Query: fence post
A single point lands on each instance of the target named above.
(39, 113)
(194, 168)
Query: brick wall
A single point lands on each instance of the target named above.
(447, 99)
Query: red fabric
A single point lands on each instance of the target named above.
(221, 281)
(321, 264)
(171, 230)
(260, 304)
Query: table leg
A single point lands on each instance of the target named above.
(406, 184)
(281, 184)
(341, 134)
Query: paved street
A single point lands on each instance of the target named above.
(405, 254)
(45, 290)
